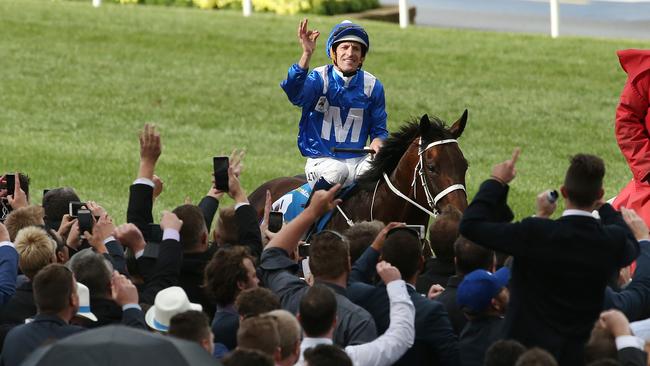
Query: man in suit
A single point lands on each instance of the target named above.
(435, 341)
(561, 267)
(55, 294)
(8, 266)
(329, 262)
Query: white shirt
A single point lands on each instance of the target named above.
(391, 345)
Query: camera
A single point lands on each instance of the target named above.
(552, 196)
(74, 207)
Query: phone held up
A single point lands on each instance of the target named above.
(276, 219)
(220, 167)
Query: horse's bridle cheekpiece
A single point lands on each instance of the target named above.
(419, 170)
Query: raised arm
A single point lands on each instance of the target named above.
(139, 211)
(400, 335)
(289, 236)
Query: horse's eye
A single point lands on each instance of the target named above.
(432, 168)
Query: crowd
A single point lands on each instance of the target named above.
(560, 293)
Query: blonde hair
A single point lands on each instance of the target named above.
(23, 217)
(35, 250)
(288, 329)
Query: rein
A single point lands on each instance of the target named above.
(419, 170)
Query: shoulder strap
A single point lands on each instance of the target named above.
(322, 71)
(369, 81)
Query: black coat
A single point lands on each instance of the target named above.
(560, 268)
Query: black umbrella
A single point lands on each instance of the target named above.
(120, 345)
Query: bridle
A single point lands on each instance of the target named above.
(419, 171)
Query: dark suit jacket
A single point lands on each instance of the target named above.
(435, 342)
(109, 312)
(165, 272)
(8, 272)
(634, 299)
(209, 206)
(191, 278)
(435, 271)
(20, 307)
(560, 268)
(24, 339)
(631, 356)
(477, 336)
(139, 210)
(225, 326)
(448, 299)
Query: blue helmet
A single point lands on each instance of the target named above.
(347, 31)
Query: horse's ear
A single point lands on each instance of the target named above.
(425, 124)
(459, 126)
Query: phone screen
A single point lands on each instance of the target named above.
(275, 221)
(419, 229)
(11, 183)
(85, 221)
(221, 164)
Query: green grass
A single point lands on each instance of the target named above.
(77, 83)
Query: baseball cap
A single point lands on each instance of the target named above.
(479, 287)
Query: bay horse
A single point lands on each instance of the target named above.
(419, 165)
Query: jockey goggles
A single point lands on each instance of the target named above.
(347, 31)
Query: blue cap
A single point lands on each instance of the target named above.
(347, 31)
(479, 287)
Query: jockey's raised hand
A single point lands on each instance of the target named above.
(307, 40)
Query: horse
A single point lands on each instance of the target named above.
(419, 171)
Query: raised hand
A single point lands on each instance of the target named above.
(635, 223)
(130, 236)
(378, 243)
(307, 37)
(505, 172)
(545, 208)
(387, 272)
(323, 201)
(169, 220)
(158, 186)
(150, 150)
(237, 161)
(123, 290)
(19, 198)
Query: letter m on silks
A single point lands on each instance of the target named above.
(354, 121)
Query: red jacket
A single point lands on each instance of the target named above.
(633, 130)
(632, 117)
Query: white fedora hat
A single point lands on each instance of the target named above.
(169, 302)
(84, 302)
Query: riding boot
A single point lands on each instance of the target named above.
(321, 184)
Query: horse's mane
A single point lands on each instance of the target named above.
(395, 146)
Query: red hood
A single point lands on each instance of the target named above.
(634, 61)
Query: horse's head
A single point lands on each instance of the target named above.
(442, 166)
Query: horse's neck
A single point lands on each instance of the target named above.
(403, 178)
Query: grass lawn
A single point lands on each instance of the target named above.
(77, 83)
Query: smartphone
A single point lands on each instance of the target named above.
(276, 219)
(303, 250)
(73, 208)
(85, 219)
(220, 166)
(419, 229)
(10, 181)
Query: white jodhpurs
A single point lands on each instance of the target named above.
(343, 171)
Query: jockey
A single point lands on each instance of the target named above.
(342, 105)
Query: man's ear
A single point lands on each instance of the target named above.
(204, 238)
(563, 191)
